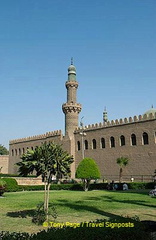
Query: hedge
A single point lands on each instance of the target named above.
(106, 232)
(12, 186)
(16, 175)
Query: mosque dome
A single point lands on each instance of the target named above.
(151, 110)
(71, 68)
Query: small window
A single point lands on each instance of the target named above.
(93, 144)
(122, 140)
(86, 144)
(103, 143)
(23, 150)
(32, 148)
(12, 152)
(145, 138)
(19, 151)
(78, 146)
(133, 140)
(112, 142)
(16, 152)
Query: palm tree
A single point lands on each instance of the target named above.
(47, 160)
(122, 162)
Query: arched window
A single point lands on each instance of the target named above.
(12, 152)
(23, 150)
(145, 138)
(112, 142)
(78, 145)
(16, 152)
(93, 144)
(86, 144)
(133, 140)
(32, 148)
(103, 143)
(122, 140)
(19, 151)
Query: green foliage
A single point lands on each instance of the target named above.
(122, 161)
(88, 233)
(40, 216)
(3, 150)
(87, 169)
(11, 184)
(47, 160)
(141, 185)
(15, 175)
(2, 187)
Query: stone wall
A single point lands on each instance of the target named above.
(28, 181)
(19, 146)
(142, 156)
(4, 162)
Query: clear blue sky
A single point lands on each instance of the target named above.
(113, 43)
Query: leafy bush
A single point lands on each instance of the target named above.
(109, 231)
(40, 215)
(11, 184)
(15, 175)
(2, 187)
(141, 185)
(87, 169)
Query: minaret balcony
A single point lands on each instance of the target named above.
(71, 107)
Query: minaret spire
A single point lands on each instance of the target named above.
(105, 117)
(71, 60)
(71, 108)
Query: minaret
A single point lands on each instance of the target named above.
(105, 118)
(71, 108)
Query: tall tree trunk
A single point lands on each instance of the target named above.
(47, 202)
(120, 176)
(45, 195)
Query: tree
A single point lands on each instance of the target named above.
(3, 150)
(122, 162)
(87, 170)
(48, 160)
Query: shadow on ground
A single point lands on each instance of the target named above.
(21, 214)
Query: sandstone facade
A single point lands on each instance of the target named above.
(134, 138)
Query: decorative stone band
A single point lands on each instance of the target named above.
(71, 107)
(71, 84)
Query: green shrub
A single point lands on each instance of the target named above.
(106, 232)
(2, 187)
(40, 216)
(15, 175)
(141, 185)
(11, 184)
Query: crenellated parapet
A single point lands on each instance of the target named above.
(119, 122)
(57, 133)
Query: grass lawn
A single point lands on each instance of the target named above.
(17, 208)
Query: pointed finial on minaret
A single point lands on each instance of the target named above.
(105, 118)
(72, 61)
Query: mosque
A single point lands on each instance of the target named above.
(133, 137)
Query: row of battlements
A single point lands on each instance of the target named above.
(37, 137)
(119, 122)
